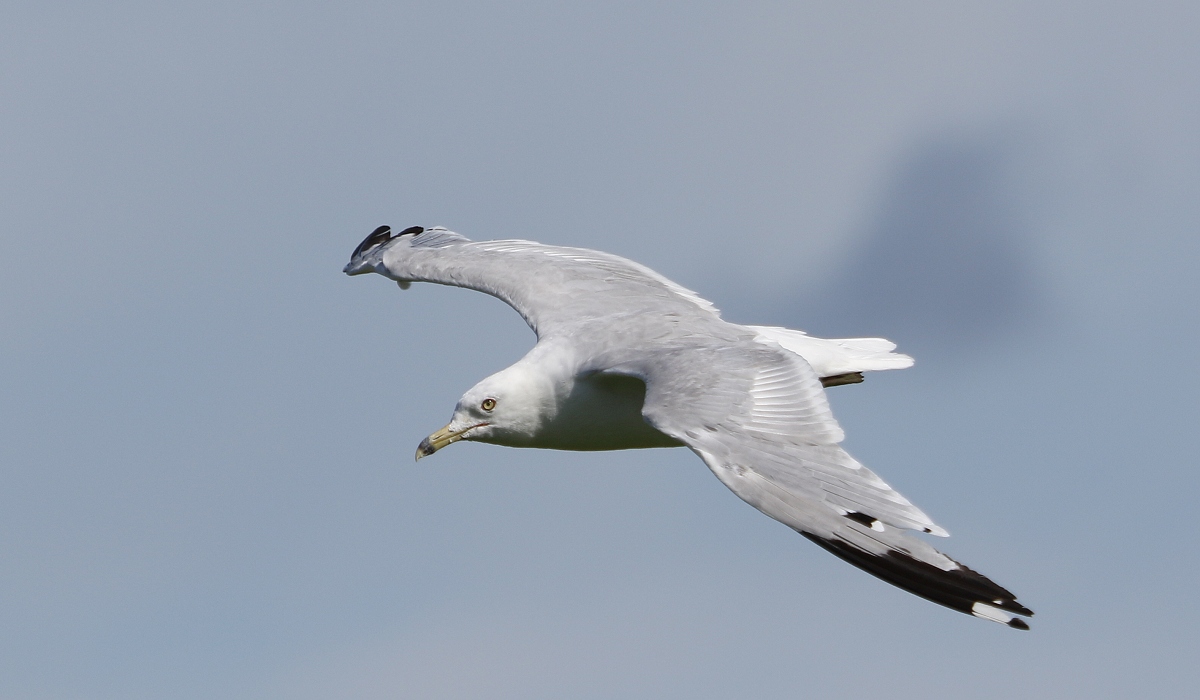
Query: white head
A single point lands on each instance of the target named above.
(507, 408)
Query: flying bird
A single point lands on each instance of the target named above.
(626, 358)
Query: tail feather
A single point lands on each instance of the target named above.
(838, 356)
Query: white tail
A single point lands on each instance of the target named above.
(830, 357)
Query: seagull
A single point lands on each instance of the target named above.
(626, 358)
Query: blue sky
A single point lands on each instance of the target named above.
(206, 431)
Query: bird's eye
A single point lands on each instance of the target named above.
(488, 404)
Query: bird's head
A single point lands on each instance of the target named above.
(507, 408)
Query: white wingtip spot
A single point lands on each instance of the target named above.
(876, 526)
(987, 612)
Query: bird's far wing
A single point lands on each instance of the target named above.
(758, 417)
(552, 287)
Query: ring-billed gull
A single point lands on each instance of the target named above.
(625, 358)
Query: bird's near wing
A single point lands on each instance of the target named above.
(758, 417)
(553, 288)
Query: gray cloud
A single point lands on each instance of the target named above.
(945, 266)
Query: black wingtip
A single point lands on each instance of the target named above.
(382, 235)
(959, 589)
(862, 518)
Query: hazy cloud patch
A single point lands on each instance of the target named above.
(945, 266)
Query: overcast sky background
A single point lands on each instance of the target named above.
(206, 430)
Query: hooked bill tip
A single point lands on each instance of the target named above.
(425, 449)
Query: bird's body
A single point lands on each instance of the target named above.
(627, 359)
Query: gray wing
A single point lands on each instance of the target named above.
(755, 405)
(759, 419)
(555, 289)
